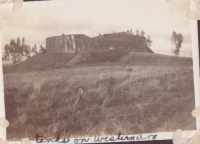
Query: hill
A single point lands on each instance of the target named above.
(92, 100)
(40, 62)
(51, 61)
(95, 92)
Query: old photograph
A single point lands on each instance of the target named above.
(96, 67)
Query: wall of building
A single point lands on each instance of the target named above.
(79, 42)
(67, 43)
(55, 44)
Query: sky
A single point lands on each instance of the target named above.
(37, 20)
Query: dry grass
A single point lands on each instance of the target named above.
(126, 99)
(51, 61)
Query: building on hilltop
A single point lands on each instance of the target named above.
(121, 41)
(72, 43)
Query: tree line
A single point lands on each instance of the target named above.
(17, 50)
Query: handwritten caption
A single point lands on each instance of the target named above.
(96, 139)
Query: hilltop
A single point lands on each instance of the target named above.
(50, 61)
(122, 48)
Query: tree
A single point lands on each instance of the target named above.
(6, 52)
(13, 51)
(177, 40)
(25, 48)
(142, 34)
(18, 46)
(16, 50)
(42, 49)
(148, 41)
(12, 46)
(34, 50)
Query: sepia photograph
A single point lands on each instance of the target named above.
(96, 67)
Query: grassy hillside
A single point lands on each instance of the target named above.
(100, 99)
(40, 62)
(51, 61)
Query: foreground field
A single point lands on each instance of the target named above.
(99, 99)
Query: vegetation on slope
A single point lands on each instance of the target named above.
(51, 61)
(101, 99)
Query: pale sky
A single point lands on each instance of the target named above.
(38, 20)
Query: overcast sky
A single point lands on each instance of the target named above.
(38, 20)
